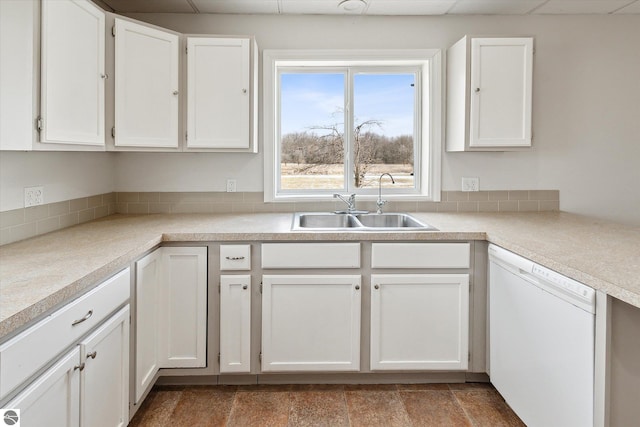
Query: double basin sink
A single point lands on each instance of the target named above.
(358, 222)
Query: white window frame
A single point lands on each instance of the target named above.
(429, 60)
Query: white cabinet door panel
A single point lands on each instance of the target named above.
(235, 323)
(183, 302)
(53, 399)
(104, 382)
(146, 86)
(311, 323)
(147, 318)
(73, 54)
(18, 26)
(501, 75)
(419, 321)
(218, 93)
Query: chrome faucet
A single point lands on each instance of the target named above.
(380, 203)
(351, 202)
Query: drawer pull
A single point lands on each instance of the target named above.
(92, 355)
(86, 317)
(234, 258)
(80, 367)
(357, 287)
(244, 287)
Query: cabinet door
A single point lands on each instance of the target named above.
(419, 321)
(72, 92)
(147, 319)
(18, 20)
(146, 86)
(235, 323)
(104, 382)
(311, 323)
(53, 398)
(183, 302)
(218, 93)
(501, 83)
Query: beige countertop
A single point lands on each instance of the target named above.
(39, 274)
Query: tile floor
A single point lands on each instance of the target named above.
(326, 405)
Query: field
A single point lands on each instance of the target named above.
(310, 176)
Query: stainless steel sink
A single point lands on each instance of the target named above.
(361, 222)
(391, 220)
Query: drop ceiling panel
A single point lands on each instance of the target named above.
(560, 7)
(632, 8)
(409, 7)
(494, 7)
(324, 7)
(237, 6)
(161, 6)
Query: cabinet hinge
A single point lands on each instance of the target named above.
(39, 124)
(113, 132)
(218, 358)
(260, 287)
(469, 357)
(113, 31)
(219, 288)
(186, 136)
(260, 357)
(186, 49)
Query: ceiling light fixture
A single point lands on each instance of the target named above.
(352, 5)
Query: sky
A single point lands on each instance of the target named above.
(317, 99)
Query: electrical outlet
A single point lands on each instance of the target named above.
(33, 196)
(470, 184)
(231, 186)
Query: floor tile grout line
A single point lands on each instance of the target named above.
(464, 411)
(404, 405)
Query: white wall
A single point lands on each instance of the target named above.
(586, 115)
(64, 176)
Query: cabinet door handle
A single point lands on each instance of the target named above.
(357, 287)
(234, 258)
(244, 91)
(377, 287)
(104, 76)
(477, 89)
(245, 287)
(86, 316)
(80, 367)
(175, 92)
(92, 355)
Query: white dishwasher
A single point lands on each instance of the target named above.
(541, 341)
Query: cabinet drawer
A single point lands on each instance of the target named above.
(311, 255)
(26, 353)
(235, 257)
(420, 255)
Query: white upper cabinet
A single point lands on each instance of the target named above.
(72, 73)
(489, 94)
(221, 94)
(146, 86)
(18, 27)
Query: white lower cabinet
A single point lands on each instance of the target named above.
(104, 381)
(88, 386)
(311, 323)
(235, 323)
(419, 321)
(54, 398)
(171, 312)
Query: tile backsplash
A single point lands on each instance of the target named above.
(452, 201)
(20, 224)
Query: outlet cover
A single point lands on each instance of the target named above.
(33, 196)
(470, 184)
(231, 186)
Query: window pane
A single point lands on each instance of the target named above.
(384, 129)
(312, 130)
